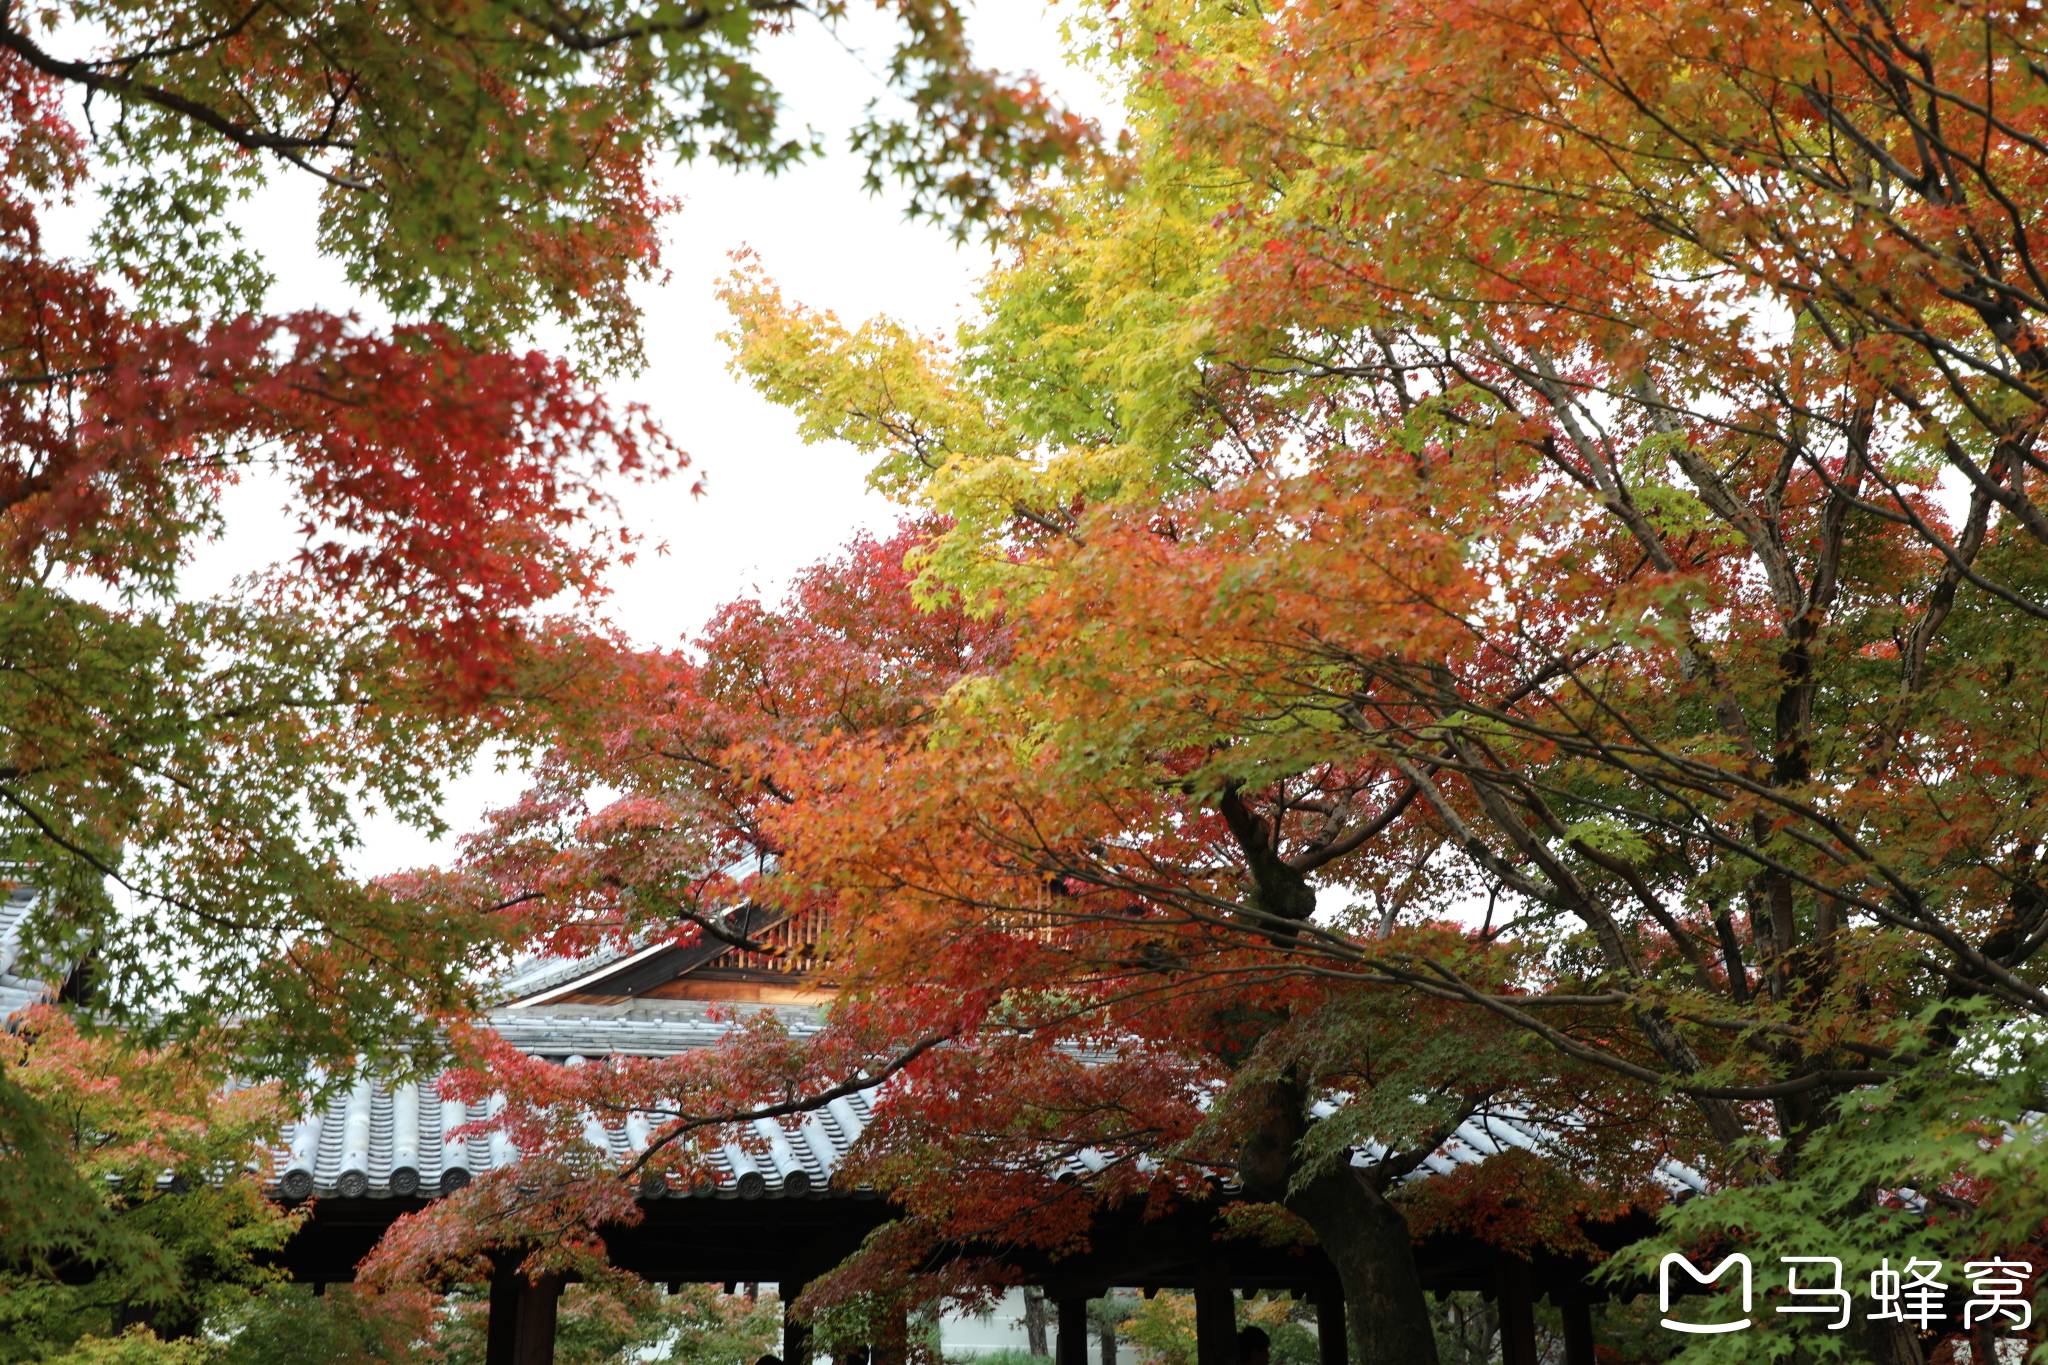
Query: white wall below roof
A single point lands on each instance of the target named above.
(1002, 1330)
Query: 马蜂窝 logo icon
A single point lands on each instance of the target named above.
(1664, 1292)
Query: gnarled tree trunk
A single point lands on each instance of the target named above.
(1364, 1235)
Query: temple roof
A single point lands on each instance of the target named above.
(712, 969)
(17, 992)
(385, 1139)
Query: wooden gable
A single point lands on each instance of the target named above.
(787, 973)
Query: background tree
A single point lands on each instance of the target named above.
(182, 780)
(1162, 1328)
(129, 1193)
(599, 1323)
(337, 1326)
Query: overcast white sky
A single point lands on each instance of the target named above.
(772, 504)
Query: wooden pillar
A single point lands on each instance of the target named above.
(1517, 1313)
(521, 1326)
(796, 1335)
(1333, 1342)
(1215, 1312)
(502, 1326)
(537, 1305)
(1070, 1345)
(1108, 1329)
(1578, 1331)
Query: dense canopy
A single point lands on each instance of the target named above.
(184, 779)
(1509, 510)
(1488, 559)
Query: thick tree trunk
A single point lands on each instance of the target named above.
(1365, 1237)
(1034, 1320)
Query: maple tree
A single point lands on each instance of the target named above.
(488, 165)
(484, 168)
(1570, 469)
(209, 758)
(184, 780)
(1017, 1040)
(129, 1191)
(1593, 491)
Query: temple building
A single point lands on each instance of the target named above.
(775, 1214)
(779, 1216)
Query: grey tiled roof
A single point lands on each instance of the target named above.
(1494, 1131)
(535, 975)
(387, 1139)
(391, 1140)
(642, 1028)
(17, 992)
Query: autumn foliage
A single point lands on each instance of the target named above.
(1515, 515)
(445, 495)
(133, 1196)
(1491, 561)
(185, 779)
